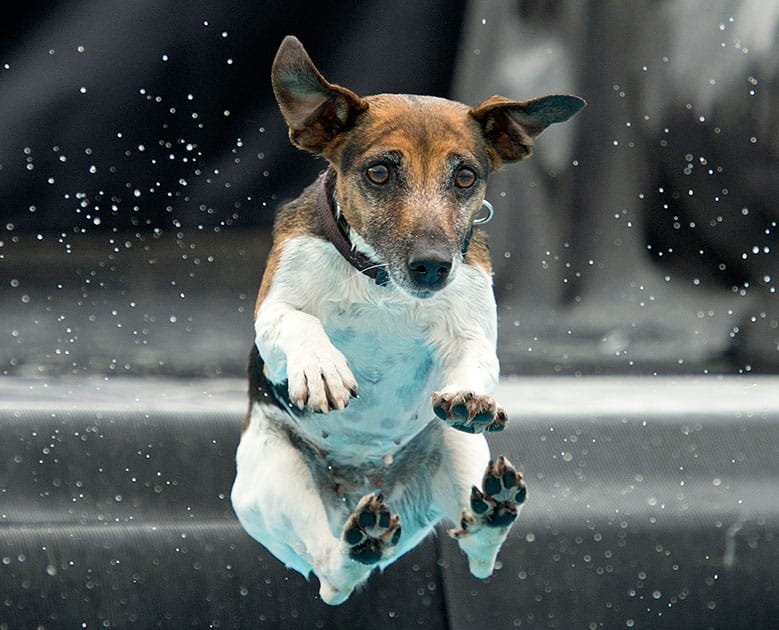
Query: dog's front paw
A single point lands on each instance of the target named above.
(320, 380)
(469, 412)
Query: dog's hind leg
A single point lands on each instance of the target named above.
(280, 504)
(491, 511)
(482, 497)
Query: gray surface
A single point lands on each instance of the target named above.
(652, 502)
(182, 305)
(129, 303)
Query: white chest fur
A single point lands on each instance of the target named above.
(397, 347)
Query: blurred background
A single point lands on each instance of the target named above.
(142, 158)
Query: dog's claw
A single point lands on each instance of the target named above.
(321, 381)
(469, 412)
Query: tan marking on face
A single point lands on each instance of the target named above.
(424, 141)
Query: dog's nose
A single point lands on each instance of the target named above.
(430, 271)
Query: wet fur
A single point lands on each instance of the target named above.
(367, 402)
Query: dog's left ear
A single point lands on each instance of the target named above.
(316, 111)
(510, 126)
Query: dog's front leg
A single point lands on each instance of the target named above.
(296, 349)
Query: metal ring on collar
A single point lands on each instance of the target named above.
(490, 213)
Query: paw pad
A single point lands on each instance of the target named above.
(498, 501)
(469, 412)
(502, 482)
(371, 531)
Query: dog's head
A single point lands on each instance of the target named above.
(411, 171)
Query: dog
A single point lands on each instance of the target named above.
(374, 359)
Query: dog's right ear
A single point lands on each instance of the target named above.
(316, 111)
(511, 126)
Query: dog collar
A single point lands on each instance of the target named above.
(336, 229)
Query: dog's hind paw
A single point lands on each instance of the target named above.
(371, 532)
(496, 505)
(469, 412)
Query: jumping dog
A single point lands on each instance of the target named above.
(374, 359)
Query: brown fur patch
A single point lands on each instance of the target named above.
(297, 217)
(478, 253)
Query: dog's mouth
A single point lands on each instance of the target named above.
(417, 291)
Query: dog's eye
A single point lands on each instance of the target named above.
(378, 174)
(464, 178)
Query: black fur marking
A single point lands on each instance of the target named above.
(264, 391)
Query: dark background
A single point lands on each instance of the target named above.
(142, 158)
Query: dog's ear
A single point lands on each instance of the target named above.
(316, 111)
(510, 126)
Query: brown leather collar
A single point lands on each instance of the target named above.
(336, 230)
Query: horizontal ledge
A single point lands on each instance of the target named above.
(588, 396)
(544, 396)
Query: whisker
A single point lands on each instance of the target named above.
(376, 266)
